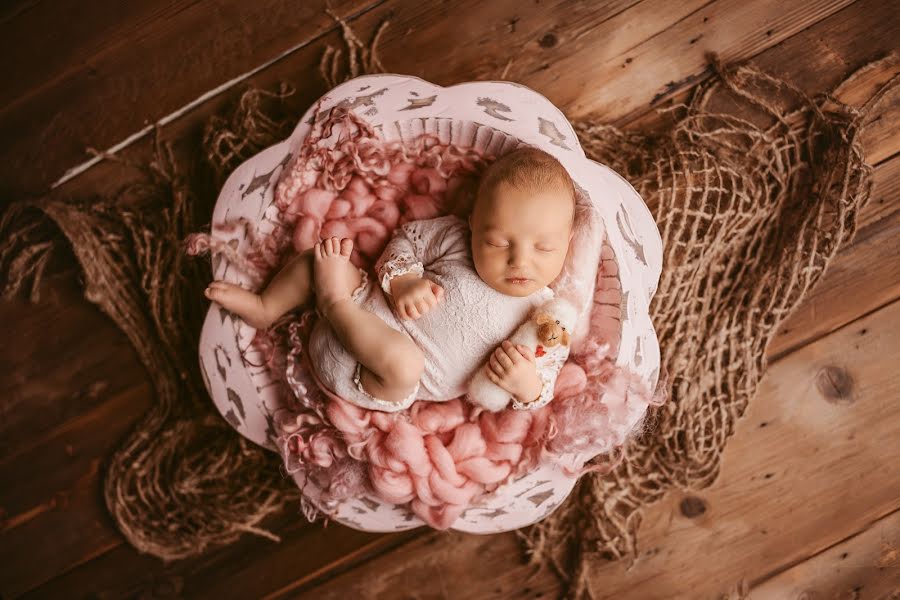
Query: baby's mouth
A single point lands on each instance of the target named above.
(518, 280)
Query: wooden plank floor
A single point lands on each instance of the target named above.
(807, 501)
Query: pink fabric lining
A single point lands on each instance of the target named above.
(439, 457)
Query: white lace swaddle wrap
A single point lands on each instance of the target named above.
(458, 335)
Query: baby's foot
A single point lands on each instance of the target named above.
(335, 276)
(241, 302)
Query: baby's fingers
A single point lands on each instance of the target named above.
(405, 309)
(525, 351)
(422, 306)
(437, 290)
(401, 310)
(496, 366)
(503, 359)
(412, 311)
(511, 353)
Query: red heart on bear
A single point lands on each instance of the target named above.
(539, 351)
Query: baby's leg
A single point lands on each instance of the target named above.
(392, 363)
(291, 287)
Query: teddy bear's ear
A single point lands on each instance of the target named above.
(542, 318)
(565, 338)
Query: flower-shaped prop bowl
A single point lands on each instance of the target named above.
(492, 117)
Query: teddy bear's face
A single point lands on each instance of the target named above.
(550, 331)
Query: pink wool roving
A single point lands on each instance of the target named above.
(438, 456)
(360, 187)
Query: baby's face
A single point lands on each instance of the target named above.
(520, 238)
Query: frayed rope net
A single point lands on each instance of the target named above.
(753, 197)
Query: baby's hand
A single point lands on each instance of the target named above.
(415, 296)
(514, 369)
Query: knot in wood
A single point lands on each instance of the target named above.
(692, 507)
(835, 384)
(548, 41)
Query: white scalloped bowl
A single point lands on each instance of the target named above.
(495, 117)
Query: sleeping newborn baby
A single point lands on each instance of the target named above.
(449, 291)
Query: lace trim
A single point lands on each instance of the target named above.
(400, 265)
(360, 291)
(357, 379)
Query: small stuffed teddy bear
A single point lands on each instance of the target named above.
(547, 332)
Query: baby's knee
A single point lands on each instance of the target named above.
(405, 367)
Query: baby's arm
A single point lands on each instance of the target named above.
(400, 268)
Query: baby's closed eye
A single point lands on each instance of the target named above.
(539, 247)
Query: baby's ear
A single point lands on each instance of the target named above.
(542, 318)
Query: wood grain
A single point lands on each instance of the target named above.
(585, 43)
(57, 518)
(63, 358)
(248, 568)
(819, 58)
(82, 74)
(866, 565)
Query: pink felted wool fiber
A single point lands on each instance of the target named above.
(438, 457)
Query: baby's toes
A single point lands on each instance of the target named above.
(215, 288)
(214, 293)
(346, 246)
(225, 289)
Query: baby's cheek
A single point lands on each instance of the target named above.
(486, 266)
(553, 267)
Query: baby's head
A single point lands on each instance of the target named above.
(522, 221)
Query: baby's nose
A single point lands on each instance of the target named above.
(516, 258)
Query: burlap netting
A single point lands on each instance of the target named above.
(754, 188)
